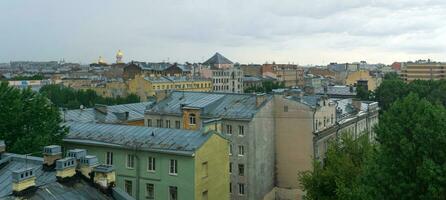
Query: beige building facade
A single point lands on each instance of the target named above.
(423, 70)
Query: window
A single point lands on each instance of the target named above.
(228, 129)
(285, 108)
(241, 130)
(241, 169)
(167, 123)
(149, 122)
(151, 164)
(241, 150)
(130, 160)
(204, 167)
(109, 158)
(241, 189)
(192, 119)
(128, 187)
(173, 169)
(230, 149)
(230, 167)
(173, 193)
(150, 191)
(324, 119)
(204, 196)
(230, 187)
(331, 118)
(177, 124)
(159, 123)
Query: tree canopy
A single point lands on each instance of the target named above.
(70, 98)
(267, 86)
(28, 120)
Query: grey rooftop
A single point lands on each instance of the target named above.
(163, 140)
(213, 105)
(217, 59)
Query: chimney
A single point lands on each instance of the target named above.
(260, 98)
(101, 108)
(50, 155)
(161, 95)
(122, 116)
(104, 176)
(77, 154)
(23, 180)
(87, 164)
(356, 103)
(65, 168)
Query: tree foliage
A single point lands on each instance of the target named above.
(267, 86)
(411, 159)
(70, 98)
(28, 120)
(339, 176)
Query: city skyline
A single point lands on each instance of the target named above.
(300, 32)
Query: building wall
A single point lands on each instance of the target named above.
(423, 71)
(216, 181)
(141, 87)
(185, 180)
(353, 77)
(227, 80)
(261, 158)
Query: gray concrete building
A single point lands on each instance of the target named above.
(273, 137)
(246, 119)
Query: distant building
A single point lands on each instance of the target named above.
(225, 77)
(362, 75)
(423, 70)
(147, 87)
(158, 163)
(290, 74)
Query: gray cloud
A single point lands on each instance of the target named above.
(304, 31)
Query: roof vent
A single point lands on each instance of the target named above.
(65, 168)
(23, 180)
(104, 176)
(87, 164)
(77, 153)
(51, 154)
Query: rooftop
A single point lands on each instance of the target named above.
(217, 59)
(112, 114)
(173, 79)
(163, 140)
(47, 186)
(212, 105)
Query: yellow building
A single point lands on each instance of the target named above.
(146, 87)
(353, 77)
(112, 89)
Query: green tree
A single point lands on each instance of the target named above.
(410, 162)
(340, 175)
(389, 91)
(28, 120)
(67, 97)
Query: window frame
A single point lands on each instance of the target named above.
(109, 158)
(127, 161)
(151, 164)
(241, 150)
(147, 191)
(174, 167)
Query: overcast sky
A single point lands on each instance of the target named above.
(245, 31)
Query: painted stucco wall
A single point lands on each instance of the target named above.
(161, 178)
(216, 180)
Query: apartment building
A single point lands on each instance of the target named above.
(147, 86)
(226, 77)
(246, 119)
(291, 75)
(158, 163)
(273, 137)
(423, 70)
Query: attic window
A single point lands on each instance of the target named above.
(192, 119)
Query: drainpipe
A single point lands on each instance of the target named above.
(314, 132)
(137, 171)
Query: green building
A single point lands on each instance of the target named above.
(158, 163)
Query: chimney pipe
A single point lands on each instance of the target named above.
(65, 169)
(50, 155)
(23, 180)
(104, 176)
(86, 166)
(2, 148)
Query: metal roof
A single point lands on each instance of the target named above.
(48, 187)
(164, 140)
(136, 112)
(212, 105)
(217, 59)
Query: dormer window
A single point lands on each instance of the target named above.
(192, 119)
